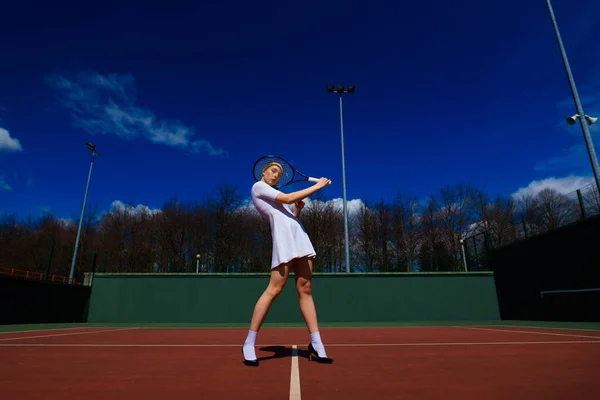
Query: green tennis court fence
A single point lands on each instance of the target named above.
(353, 297)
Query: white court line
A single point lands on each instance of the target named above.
(65, 334)
(295, 376)
(44, 330)
(287, 345)
(530, 332)
(549, 327)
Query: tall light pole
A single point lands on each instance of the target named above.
(341, 91)
(92, 148)
(571, 120)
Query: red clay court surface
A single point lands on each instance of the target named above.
(472, 362)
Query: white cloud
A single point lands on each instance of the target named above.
(4, 185)
(354, 206)
(563, 185)
(7, 143)
(107, 105)
(66, 222)
(119, 206)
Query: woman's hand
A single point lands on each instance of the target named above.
(299, 205)
(322, 183)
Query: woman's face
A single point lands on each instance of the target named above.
(272, 174)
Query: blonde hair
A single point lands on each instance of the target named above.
(271, 163)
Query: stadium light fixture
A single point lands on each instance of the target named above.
(573, 119)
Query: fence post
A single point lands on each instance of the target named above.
(93, 268)
(487, 245)
(476, 252)
(49, 260)
(581, 206)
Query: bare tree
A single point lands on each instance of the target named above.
(405, 222)
(591, 199)
(496, 218)
(457, 212)
(366, 246)
(555, 209)
(382, 216)
(431, 235)
(322, 222)
(528, 212)
(172, 238)
(255, 240)
(201, 224)
(405, 235)
(227, 199)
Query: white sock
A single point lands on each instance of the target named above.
(315, 340)
(249, 353)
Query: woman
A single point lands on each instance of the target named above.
(291, 249)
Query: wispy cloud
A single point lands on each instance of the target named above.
(106, 104)
(563, 185)
(4, 185)
(8, 143)
(573, 157)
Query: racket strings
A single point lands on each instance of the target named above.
(286, 176)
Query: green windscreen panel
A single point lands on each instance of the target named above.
(230, 298)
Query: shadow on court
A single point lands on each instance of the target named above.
(281, 352)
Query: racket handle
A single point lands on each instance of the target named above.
(317, 180)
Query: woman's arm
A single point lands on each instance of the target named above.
(298, 206)
(289, 198)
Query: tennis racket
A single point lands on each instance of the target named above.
(290, 174)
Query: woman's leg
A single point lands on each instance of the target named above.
(279, 276)
(303, 268)
(303, 276)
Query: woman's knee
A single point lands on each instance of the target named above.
(279, 276)
(274, 290)
(304, 287)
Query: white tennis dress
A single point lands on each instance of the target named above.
(290, 239)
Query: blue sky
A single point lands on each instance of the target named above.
(180, 97)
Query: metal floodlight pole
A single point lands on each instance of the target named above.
(92, 148)
(583, 119)
(341, 91)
